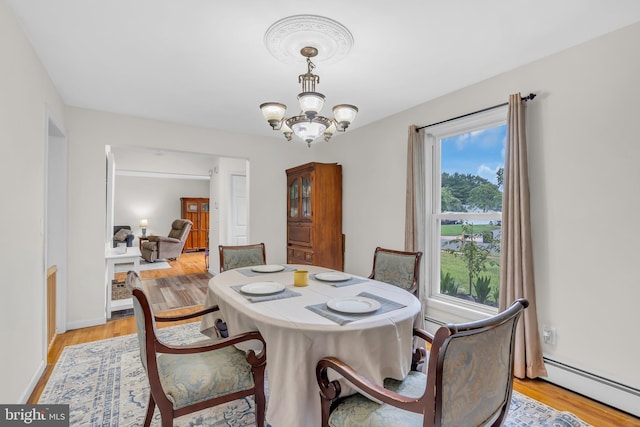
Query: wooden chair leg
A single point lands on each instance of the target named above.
(325, 405)
(259, 397)
(151, 407)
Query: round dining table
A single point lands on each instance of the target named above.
(300, 325)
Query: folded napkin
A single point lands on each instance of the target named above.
(344, 318)
(351, 281)
(287, 293)
(250, 273)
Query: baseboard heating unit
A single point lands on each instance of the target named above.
(612, 393)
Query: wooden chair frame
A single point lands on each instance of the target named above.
(416, 270)
(154, 346)
(430, 403)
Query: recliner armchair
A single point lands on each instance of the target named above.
(170, 247)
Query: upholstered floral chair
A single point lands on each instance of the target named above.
(237, 257)
(188, 378)
(241, 256)
(398, 268)
(468, 382)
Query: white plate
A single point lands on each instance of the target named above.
(353, 305)
(269, 268)
(332, 277)
(262, 288)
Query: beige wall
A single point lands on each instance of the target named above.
(26, 94)
(155, 198)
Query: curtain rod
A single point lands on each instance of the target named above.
(522, 98)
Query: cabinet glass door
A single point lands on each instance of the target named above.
(306, 197)
(294, 199)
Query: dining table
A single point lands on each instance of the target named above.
(365, 323)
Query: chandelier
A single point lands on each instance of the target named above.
(309, 125)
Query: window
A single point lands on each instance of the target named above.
(465, 216)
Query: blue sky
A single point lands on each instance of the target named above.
(478, 153)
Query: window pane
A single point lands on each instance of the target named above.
(470, 260)
(472, 165)
(470, 216)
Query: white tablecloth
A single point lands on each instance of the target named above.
(378, 346)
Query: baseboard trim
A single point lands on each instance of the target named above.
(612, 393)
(86, 323)
(32, 383)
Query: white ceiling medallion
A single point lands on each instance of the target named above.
(288, 36)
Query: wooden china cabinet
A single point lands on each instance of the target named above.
(314, 215)
(196, 210)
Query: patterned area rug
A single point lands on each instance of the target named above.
(104, 384)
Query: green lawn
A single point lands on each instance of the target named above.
(454, 265)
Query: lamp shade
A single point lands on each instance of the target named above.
(144, 223)
(344, 114)
(273, 112)
(311, 102)
(308, 131)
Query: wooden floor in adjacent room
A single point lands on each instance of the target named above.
(561, 399)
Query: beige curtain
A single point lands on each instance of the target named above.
(415, 219)
(516, 275)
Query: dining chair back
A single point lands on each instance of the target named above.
(399, 268)
(468, 382)
(241, 256)
(188, 378)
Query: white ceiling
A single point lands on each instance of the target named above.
(204, 62)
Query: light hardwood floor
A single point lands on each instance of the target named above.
(588, 410)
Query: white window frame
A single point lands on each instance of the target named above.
(445, 308)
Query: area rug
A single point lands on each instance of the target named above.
(144, 266)
(104, 384)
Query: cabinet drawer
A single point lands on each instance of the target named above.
(300, 234)
(299, 256)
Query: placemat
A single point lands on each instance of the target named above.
(287, 293)
(344, 318)
(250, 273)
(351, 281)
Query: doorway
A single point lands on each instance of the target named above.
(55, 226)
(238, 222)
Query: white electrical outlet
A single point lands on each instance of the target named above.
(549, 335)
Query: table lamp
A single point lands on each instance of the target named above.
(144, 224)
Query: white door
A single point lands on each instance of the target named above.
(238, 217)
